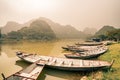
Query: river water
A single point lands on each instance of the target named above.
(10, 64)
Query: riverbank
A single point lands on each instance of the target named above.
(113, 53)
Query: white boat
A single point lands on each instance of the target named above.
(93, 53)
(64, 63)
(30, 73)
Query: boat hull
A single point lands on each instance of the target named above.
(76, 68)
(89, 44)
(82, 57)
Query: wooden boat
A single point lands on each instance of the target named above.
(64, 63)
(81, 48)
(74, 48)
(68, 48)
(88, 54)
(89, 44)
(30, 73)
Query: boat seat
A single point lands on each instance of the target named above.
(36, 70)
(62, 62)
(25, 75)
(53, 61)
(70, 64)
(81, 62)
(41, 63)
(49, 59)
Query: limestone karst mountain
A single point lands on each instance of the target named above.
(38, 29)
(104, 30)
(61, 31)
(64, 31)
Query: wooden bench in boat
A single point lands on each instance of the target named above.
(70, 64)
(61, 62)
(53, 61)
(41, 62)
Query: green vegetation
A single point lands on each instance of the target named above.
(104, 30)
(113, 53)
(108, 33)
(111, 35)
(14, 35)
(114, 35)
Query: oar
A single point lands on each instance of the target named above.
(3, 76)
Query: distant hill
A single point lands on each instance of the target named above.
(90, 31)
(104, 30)
(10, 26)
(61, 31)
(108, 33)
(14, 26)
(64, 31)
(38, 29)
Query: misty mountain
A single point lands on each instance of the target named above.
(90, 31)
(38, 30)
(10, 26)
(62, 31)
(108, 33)
(14, 26)
(28, 23)
(104, 30)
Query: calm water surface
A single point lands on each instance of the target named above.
(10, 64)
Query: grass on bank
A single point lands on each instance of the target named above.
(113, 53)
(114, 73)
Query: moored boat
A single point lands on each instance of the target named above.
(77, 48)
(73, 48)
(82, 48)
(30, 73)
(87, 54)
(66, 64)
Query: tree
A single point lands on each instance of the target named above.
(14, 35)
(110, 35)
(102, 37)
(114, 35)
(117, 35)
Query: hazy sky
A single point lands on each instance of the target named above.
(78, 13)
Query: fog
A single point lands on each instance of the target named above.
(78, 13)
